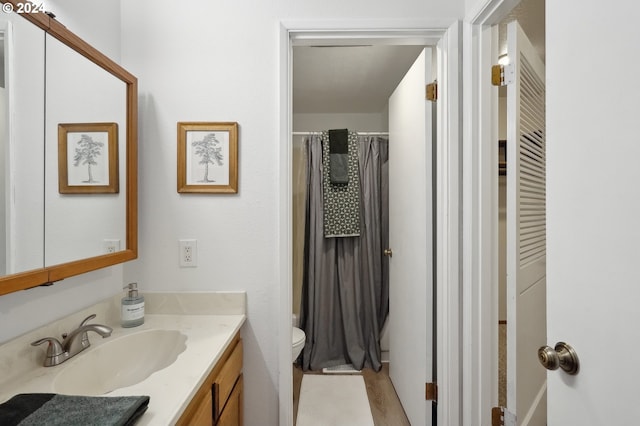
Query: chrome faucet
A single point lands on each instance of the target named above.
(73, 343)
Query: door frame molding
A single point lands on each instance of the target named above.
(447, 39)
(480, 216)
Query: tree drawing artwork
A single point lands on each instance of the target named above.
(86, 153)
(210, 152)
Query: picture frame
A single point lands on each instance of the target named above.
(88, 158)
(208, 157)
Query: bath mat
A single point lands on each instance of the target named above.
(333, 401)
(341, 369)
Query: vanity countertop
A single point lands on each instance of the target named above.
(208, 320)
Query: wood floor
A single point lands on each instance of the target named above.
(385, 406)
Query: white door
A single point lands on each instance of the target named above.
(410, 238)
(526, 231)
(593, 212)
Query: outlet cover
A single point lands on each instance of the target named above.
(188, 253)
(111, 246)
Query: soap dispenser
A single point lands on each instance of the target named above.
(132, 307)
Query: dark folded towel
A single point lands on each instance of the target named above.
(52, 409)
(339, 156)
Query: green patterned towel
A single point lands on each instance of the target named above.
(341, 202)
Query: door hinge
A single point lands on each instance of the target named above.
(501, 75)
(500, 416)
(432, 91)
(431, 392)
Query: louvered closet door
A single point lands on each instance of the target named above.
(526, 232)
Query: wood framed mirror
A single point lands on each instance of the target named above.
(78, 232)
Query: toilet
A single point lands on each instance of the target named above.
(297, 338)
(298, 342)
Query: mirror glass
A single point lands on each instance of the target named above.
(85, 117)
(22, 153)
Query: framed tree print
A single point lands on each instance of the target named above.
(208, 157)
(88, 158)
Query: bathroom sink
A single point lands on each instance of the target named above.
(120, 362)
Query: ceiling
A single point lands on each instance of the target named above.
(348, 79)
(530, 15)
(360, 79)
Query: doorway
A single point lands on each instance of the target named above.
(336, 87)
(447, 41)
(351, 84)
(521, 216)
(481, 255)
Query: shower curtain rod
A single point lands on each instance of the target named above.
(360, 133)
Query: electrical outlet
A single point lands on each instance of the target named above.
(188, 253)
(111, 246)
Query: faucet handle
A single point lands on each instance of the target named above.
(54, 349)
(87, 319)
(84, 338)
(83, 323)
(55, 352)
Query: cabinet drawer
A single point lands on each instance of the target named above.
(226, 379)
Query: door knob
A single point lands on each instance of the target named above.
(562, 356)
(388, 252)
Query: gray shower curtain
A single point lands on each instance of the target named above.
(345, 290)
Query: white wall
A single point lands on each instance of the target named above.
(216, 61)
(95, 21)
(356, 122)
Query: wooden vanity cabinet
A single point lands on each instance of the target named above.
(218, 402)
(232, 413)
